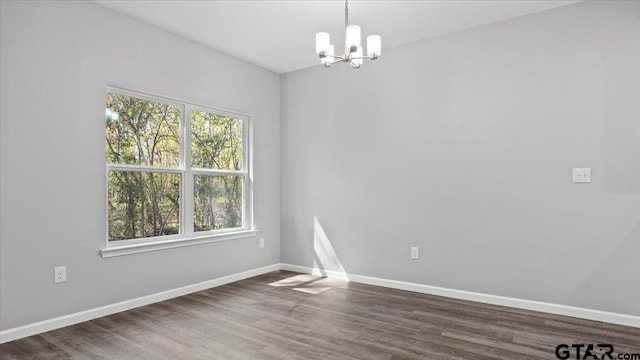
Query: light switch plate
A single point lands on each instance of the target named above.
(581, 175)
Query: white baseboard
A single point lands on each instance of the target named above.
(66, 320)
(583, 313)
(62, 321)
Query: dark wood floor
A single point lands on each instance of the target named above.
(285, 315)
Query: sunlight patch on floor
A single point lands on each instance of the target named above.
(296, 280)
(312, 290)
(310, 284)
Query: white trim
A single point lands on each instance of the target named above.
(216, 172)
(247, 167)
(173, 100)
(187, 191)
(320, 272)
(590, 314)
(66, 320)
(115, 250)
(143, 168)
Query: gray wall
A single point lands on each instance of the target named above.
(463, 145)
(57, 58)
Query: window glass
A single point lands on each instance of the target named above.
(216, 141)
(143, 204)
(142, 132)
(217, 202)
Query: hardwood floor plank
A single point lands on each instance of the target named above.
(284, 315)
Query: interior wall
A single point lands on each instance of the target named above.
(463, 145)
(57, 58)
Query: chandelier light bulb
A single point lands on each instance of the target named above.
(353, 38)
(374, 46)
(328, 59)
(322, 43)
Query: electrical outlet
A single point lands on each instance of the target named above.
(261, 243)
(415, 253)
(59, 274)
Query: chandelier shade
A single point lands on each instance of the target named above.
(374, 46)
(353, 52)
(352, 40)
(328, 55)
(322, 42)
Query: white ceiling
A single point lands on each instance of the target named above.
(280, 35)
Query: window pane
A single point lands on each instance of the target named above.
(217, 202)
(143, 204)
(142, 132)
(216, 141)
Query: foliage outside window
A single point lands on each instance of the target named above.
(172, 175)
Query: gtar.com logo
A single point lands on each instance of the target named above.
(591, 351)
(584, 351)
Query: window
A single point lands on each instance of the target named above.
(174, 170)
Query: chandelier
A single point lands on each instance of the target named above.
(352, 48)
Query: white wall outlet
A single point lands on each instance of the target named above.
(261, 243)
(581, 175)
(59, 274)
(415, 253)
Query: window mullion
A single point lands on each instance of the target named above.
(142, 168)
(247, 193)
(187, 208)
(216, 172)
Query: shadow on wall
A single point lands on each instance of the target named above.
(325, 257)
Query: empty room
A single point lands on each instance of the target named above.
(362, 179)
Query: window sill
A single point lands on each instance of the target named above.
(115, 250)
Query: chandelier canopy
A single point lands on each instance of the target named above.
(352, 48)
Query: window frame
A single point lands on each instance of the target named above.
(187, 234)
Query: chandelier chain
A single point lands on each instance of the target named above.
(346, 13)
